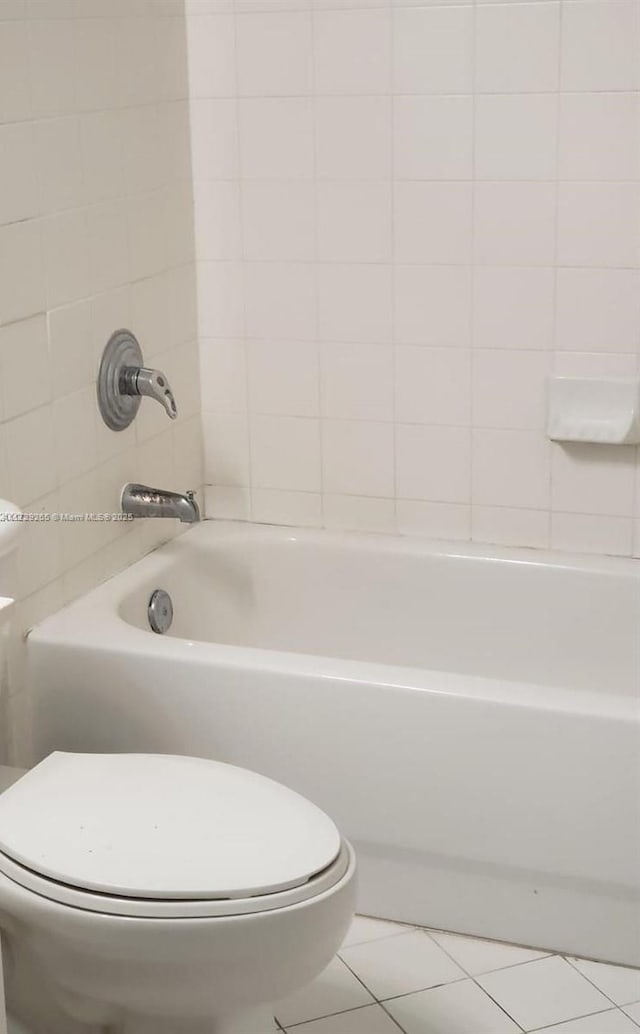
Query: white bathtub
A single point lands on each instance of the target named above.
(470, 717)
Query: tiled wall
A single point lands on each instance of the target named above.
(96, 233)
(407, 215)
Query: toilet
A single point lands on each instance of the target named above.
(173, 895)
(162, 894)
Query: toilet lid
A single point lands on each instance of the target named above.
(163, 826)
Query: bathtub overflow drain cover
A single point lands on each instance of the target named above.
(160, 611)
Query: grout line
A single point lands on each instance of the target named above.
(320, 351)
(567, 959)
(239, 266)
(551, 446)
(393, 265)
(408, 928)
(583, 1016)
(472, 264)
(473, 978)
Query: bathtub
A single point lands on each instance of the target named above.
(469, 716)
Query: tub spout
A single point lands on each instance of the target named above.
(142, 501)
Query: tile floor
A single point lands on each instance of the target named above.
(388, 977)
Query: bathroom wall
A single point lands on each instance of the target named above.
(96, 233)
(407, 215)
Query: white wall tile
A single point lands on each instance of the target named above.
(433, 138)
(223, 375)
(64, 81)
(274, 53)
(433, 223)
(338, 35)
(514, 223)
(214, 139)
(358, 513)
(21, 271)
(592, 479)
(146, 233)
(511, 468)
(433, 386)
(74, 428)
(598, 310)
(516, 137)
(40, 554)
(510, 388)
(433, 49)
(138, 69)
(227, 453)
(212, 66)
(95, 67)
(508, 527)
(433, 463)
(513, 307)
(432, 305)
(398, 164)
(517, 47)
(31, 456)
(52, 67)
(24, 366)
(357, 458)
(108, 246)
(15, 91)
(71, 354)
(593, 364)
(354, 302)
(354, 222)
(285, 453)
(18, 188)
(101, 146)
(227, 503)
(65, 244)
(141, 146)
(280, 300)
(220, 299)
(357, 382)
(600, 43)
(598, 224)
(586, 533)
(149, 307)
(217, 220)
(353, 138)
(599, 138)
(276, 138)
(283, 378)
(276, 506)
(433, 520)
(278, 221)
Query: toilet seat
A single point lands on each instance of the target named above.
(164, 836)
(149, 908)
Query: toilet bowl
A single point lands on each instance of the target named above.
(157, 894)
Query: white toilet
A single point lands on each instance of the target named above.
(160, 894)
(153, 894)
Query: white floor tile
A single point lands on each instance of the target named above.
(540, 993)
(398, 965)
(620, 984)
(611, 1022)
(370, 1020)
(335, 990)
(633, 1011)
(460, 1008)
(365, 928)
(478, 956)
